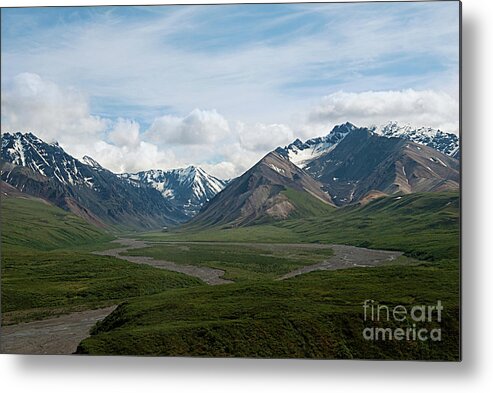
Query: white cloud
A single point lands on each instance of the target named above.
(419, 108)
(200, 127)
(31, 103)
(264, 137)
(203, 137)
(225, 147)
(125, 133)
(222, 170)
(235, 160)
(142, 156)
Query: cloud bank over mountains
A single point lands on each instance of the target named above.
(420, 108)
(225, 147)
(199, 127)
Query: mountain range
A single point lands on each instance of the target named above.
(301, 153)
(96, 194)
(361, 163)
(444, 142)
(365, 164)
(185, 188)
(349, 165)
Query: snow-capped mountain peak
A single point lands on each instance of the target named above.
(47, 159)
(83, 187)
(444, 142)
(200, 181)
(188, 187)
(301, 153)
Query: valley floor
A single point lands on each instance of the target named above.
(344, 257)
(208, 275)
(61, 335)
(295, 288)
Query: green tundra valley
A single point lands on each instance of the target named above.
(50, 268)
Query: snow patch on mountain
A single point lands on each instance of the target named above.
(47, 159)
(302, 153)
(92, 162)
(446, 143)
(277, 169)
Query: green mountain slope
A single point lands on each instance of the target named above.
(425, 226)
(33, 223)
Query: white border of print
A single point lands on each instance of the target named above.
(92, 374)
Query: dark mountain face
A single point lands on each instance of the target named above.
(90, 191)
(262, 193)
(364, 163)
(188, 189)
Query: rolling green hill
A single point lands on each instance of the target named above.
(318, 315)
(33, 223)
(424, 226)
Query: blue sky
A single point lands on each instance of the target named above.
(232, 70)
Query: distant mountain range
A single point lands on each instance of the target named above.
(348, 165)
(187, 189)
(301, 153)
(85, 188)
(444, 142)
(365, 164)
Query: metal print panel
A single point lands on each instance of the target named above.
(242, 180)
